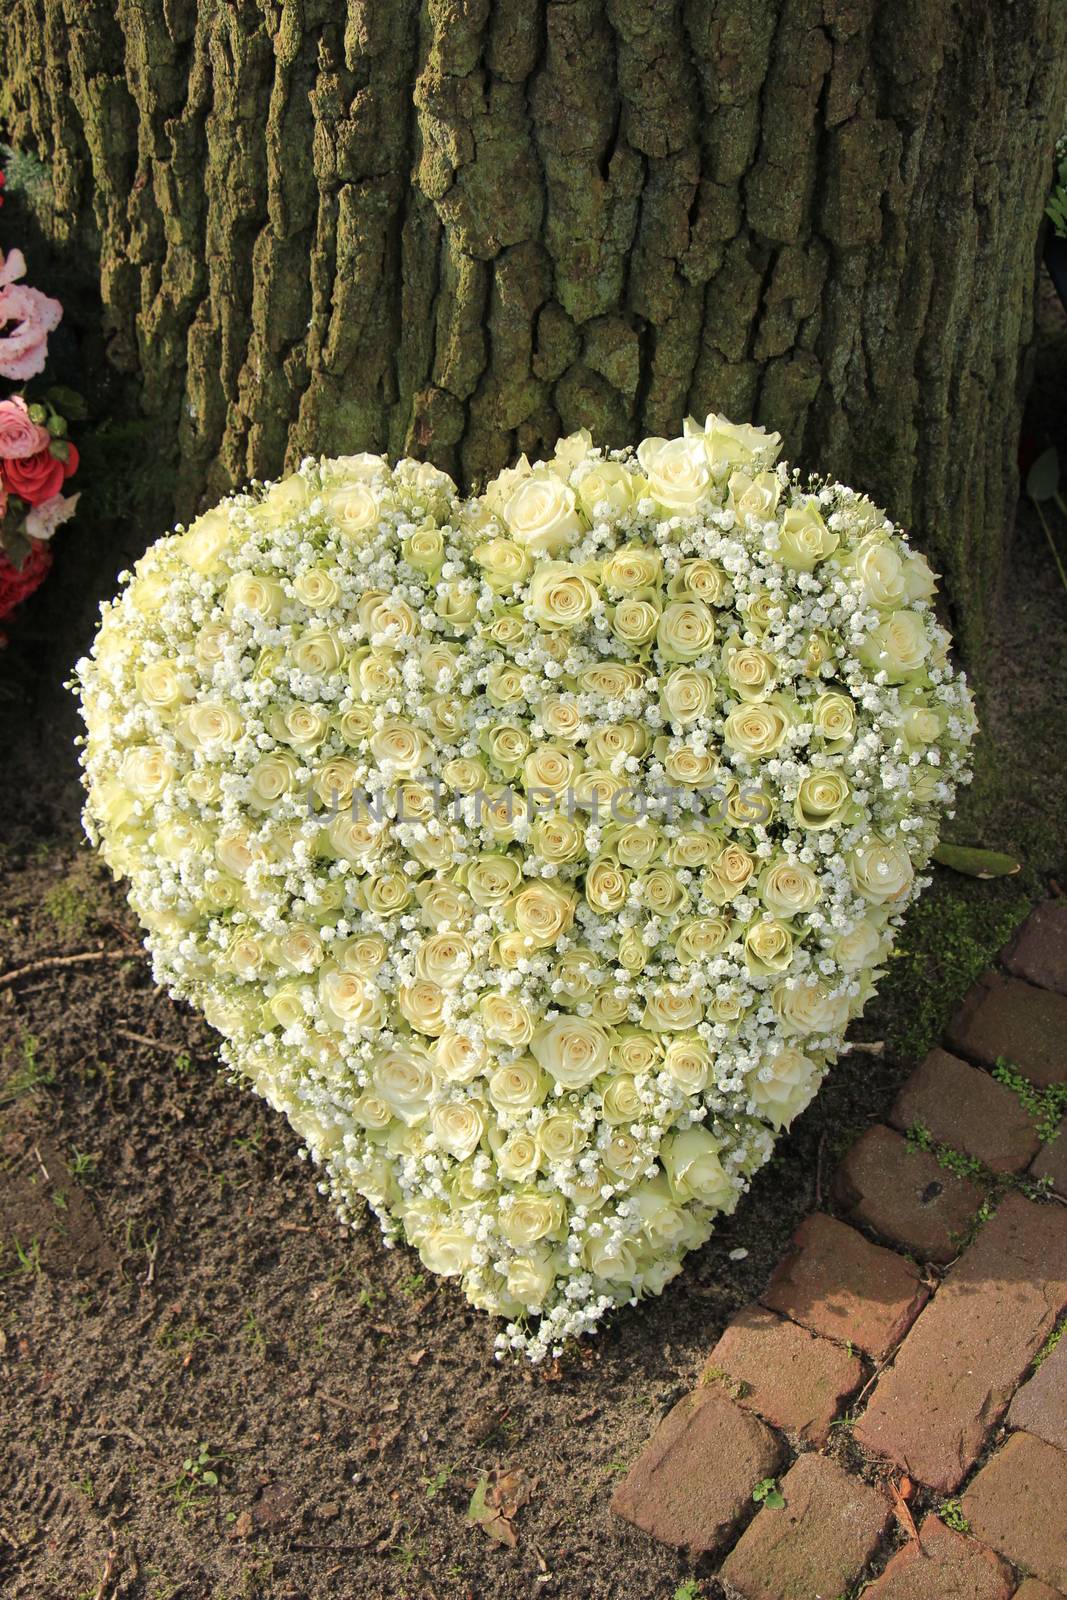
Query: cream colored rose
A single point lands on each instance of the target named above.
(750, 672)
(491, 879)
(661, 893)
(701, 937)
(821, 799)
(542, 914)
(692, 769)
(541, 515)
(686, 631)
(754, 496)
(504, 563)
(549, 767)
(444, 959)
(788, 888)
(605, 483)
(606, 886)
(631, 569)
(756, 731)
(448, 1251)
(677, 470)
(731, 444)
(804, 538)
(898, 647)
(525, 1218)
(920, 726)
(251, 591)
(733, 867)
(506, 1020)
(425, 550)
(560, 595)
(209, 725)
(635, 622)
(506, 746)
(205, 540)
(919, 582)
(458, 1126)
(161, 685)
(810, 1007)
(557, 839)
(518, 1157)
(781, 1089)
(768, 947)
(404, 1079)
(614, 680)
(422, 1005)
(612, 1258)
(834, 718)
(881, 871)
(694, 1170)
(530, 1276)
(688, 1061)
(861, 946)
(457, 603)
(881, 573)
(572, 1050)
(299, 949)
(669, 1009)
(347, 1000)
(687, 695)
(354, 508)
(561, 1138)
(316, 588)
(517, 1086)
(400, 749)
(147, 771)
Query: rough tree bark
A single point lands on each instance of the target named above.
(458, 227)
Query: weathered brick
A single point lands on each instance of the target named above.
(1051, 1162)
(1034, 1589)
(952, 1379)
(790, 1376)
(817, 1544)
(948, 1564)
(1018, 1504)
(1038, 951)
(692, 1484)
(966, 1108)
(1006, 1017)
(905, 1195)
(1041, 1405)
(837, 1283)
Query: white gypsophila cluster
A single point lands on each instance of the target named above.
(530, 852)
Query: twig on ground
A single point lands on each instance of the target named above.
(40, 1163)
(47, 963)
(109, 1568)
(153, 1044)
(863, 1048)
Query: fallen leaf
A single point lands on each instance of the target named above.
(900, 1494)
(975, 863)
(497, 1499)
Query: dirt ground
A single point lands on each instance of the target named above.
(207, 1388)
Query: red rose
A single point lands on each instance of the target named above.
(70, 466)
(35, 478)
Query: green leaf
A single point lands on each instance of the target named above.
(774, 1500)
(68, 401)
(976, 863)
(210, 1478)
(1043, 479)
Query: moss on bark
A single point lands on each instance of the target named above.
(459, 227)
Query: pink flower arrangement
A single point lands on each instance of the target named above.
(36, 457)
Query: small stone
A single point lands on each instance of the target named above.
(905, 1194)
(1018, 1504)
(956, 1372)
(837, 1283)
(793, 1378)
(1051, 1162)
(1006, 1019)
(692, 1484)
(817, 1544)
(1040, 1406)
(1038, 951)
(968, 1109)
(947, 1564)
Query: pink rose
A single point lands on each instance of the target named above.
(20, 436)
(27, 317)
(43, 520)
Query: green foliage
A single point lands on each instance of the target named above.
(951, 1514)
(1046, 1107)
(767, 1493)
(197, 1481)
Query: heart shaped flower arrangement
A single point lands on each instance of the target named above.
(533, 851)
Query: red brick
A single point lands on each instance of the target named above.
(837, 1283)
(948, 1564)
(791, 1377)
(905, 1195)
(817, 1544)
(1038, 951)
(952, 1379)
(1034, 1589)
(1041, 1405)
(1018, 1504)
(966, 1108)
(1004, 1017)
(1051, 1162)
(692, 1484)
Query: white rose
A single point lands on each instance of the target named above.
(781, 1089)
(694, 1171)
(881, 871)
(677, 470)
(572, 1050)
(541, 515)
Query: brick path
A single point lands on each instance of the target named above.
(900, 1379)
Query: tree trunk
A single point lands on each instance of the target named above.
(457, 228)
